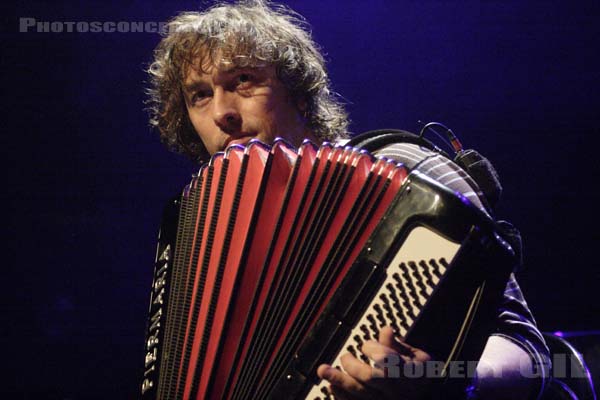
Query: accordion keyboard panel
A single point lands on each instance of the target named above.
(411, 278)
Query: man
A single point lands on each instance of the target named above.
(250, 70)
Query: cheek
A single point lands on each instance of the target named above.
(196, 123)
(288, 118)
(203, 130)
(199, 124)
(259, 113)
(280, 112)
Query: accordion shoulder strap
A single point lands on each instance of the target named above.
(379, 138)
(472, 162)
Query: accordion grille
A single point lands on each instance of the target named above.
(411, 279)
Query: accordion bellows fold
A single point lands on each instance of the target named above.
(275, 260)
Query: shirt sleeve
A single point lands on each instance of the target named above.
(515, 321)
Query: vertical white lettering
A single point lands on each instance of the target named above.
(155, 320)
(149, 370)
(152, 340)
(166, 254)
(159, 297)
(146, 385)
(161, 270)
(150, 357)
(160, 282)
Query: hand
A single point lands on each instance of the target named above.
(386, 379)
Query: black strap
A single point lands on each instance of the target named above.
(377, 139)
(478, 167)
(483, 172)
(473, 163)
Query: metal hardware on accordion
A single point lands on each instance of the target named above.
(275, 260)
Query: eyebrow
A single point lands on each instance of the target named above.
(192, 86)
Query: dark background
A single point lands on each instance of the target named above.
(86, 178)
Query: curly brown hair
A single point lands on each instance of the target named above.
(247, 33)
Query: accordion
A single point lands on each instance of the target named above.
(275, 260)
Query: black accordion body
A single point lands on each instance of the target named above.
(275, 260)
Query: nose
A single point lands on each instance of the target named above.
(225, 111)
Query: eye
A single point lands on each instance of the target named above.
(244, 78)
(200, 96)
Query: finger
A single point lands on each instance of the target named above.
(416, 354)
(374, 379)
(340, 379)
(359, 370)
(383, 355)
(388, 338)
(321, 371)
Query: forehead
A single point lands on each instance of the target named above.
(204, 70)
(204, 65)
(207, 58)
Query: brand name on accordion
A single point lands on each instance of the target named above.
(157, 316)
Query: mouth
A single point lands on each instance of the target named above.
(241, 140)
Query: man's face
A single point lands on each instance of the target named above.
(236, 105)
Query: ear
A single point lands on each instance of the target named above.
(302, 107)
(302, 104)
